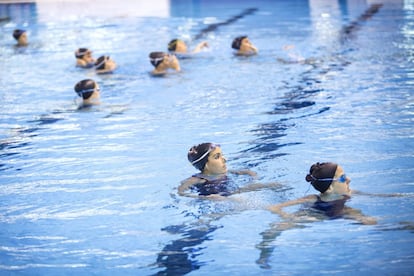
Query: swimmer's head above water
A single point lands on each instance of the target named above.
(83, 53)
(21, 37)
(163, 61)
(88, 90)
(177, 45)
(104, 64)
(243, 46)
(84, 58)
(208, 158)
(327, 176)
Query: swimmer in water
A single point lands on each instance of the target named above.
(21, 37)
(84, 58)
(88, 90)
(333, 184)
(162, 62)
(243, 46)
(212, 180)
(105, 65)
(177, 46)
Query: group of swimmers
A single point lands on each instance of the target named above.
(328, 178)
(88, 89)
(162, 61)
(212, 180)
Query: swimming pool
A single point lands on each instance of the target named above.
(94, 192)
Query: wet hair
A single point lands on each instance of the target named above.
(321, 175)
(17, 33)
(81, 52)
(237, 42)
(85, 88)
(172, 46)
(156, 58)
(198, 155)
(100, 62)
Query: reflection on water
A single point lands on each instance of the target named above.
(180, 256)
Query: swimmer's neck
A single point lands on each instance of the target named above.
(333, 196)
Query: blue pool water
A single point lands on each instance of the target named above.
(95, 191)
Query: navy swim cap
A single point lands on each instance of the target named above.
(237, 42)
(319, 172)
(198, 155)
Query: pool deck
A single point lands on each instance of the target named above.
(52, 9)
(16, 1)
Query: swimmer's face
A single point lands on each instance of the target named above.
(88, 57)
(22, 39)
(110, 64)
(216, 162)
(338, 187)
(247, 46)
(181, 47)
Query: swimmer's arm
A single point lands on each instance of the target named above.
(186, 184)
(200, 46)
(357, 215)
(259, 186)
(216, 197)
(278, 208)
(248, 172)
(355, 192)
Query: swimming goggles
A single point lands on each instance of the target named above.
(105, 59)
(156, 60)
(341, 179)
(80, 93)
(212, 147)
(83, 53)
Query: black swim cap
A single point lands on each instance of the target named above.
(198, 155)
(100, 62)
(85, 88)
(81, 52)
(237, 42)
(17, 33)
(156, 58)
(319, 172)
(172, 45)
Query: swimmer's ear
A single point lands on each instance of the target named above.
(206, 168)
(330, 188)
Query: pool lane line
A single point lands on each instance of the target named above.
(270, 132)
(215, 26)
(349, 29)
